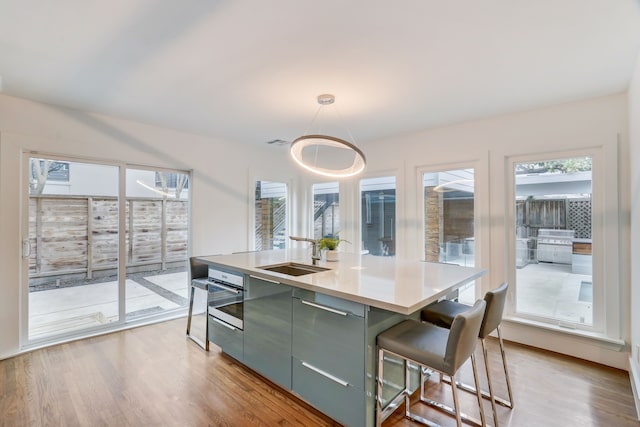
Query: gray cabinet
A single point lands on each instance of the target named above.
(329, 342)
(344, 403)
(227, 337)
(267, 329)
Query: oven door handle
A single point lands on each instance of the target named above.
(224, 287)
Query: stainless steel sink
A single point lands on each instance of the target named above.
(293, 268)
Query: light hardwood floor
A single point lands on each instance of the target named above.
(154, 376)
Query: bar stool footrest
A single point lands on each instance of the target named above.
(391, 407)
(449, 410)
(485, 394)
(421, 420)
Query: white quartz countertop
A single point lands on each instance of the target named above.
(384, 282)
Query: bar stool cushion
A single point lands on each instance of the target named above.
(421, 342)
(431, 345)
(443, 312)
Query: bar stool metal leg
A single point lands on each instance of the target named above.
(404, 395)
(193, 290)
(439, 349)
(508, 404)
(487, 395)
(492, 396)
(379, 417)
(455, 410)
(478, 393)
(442, 314)
(205, 344)
(407, 395)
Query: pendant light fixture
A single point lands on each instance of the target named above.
(327, 155)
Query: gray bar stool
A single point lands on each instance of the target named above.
(431, 347)
(199, 271)
(444, 312)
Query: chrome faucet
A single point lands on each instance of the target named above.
(315, 253)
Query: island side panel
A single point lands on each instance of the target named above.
(379, 320)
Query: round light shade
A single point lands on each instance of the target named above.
(328, 156)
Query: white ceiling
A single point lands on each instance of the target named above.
(250, 70)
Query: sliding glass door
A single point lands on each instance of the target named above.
(156, 241)
(102, 250)
(73, 214)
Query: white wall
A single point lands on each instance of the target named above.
(224, 174)
(634, 136)
(599, 123)
(219, 186)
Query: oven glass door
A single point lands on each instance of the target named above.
(225, 303)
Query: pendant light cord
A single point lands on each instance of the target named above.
(337, 114)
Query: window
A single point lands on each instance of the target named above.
(270, 215)
(378, 215)
(165, 180)
(449, 217)
(326, 210)
(43, 170)
(554, 240)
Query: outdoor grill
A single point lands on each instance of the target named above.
(555, 245)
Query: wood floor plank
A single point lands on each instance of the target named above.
(550, 390)
(153, 375)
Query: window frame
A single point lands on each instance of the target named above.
(312, 198)
(421, 171)
(605, 234)
(252, 211)
(398, 206)
(479, 206)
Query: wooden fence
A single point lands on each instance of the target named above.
(561, 214)
(79, 234)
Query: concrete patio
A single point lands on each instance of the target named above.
(544, 289)
(68, 309)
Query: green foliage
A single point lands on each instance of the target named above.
(330, 243)
(578, 164)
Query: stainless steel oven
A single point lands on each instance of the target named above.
(226, 297)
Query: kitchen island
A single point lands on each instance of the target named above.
(314, 334)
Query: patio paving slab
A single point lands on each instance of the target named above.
(69, 309)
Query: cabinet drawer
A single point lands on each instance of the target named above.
(331, 340)
(329, 393)
(340, 304)
(228, 338)
(267, 330)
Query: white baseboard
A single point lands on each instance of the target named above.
(634, 376)
(560, 340)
